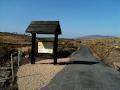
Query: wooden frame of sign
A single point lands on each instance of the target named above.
(44, 27)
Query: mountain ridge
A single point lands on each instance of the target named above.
(96, 36)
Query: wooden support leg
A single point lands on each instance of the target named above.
(33, 48)
(55, 52)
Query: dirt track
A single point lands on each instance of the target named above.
(82, 72)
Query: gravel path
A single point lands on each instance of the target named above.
(34, 76)
(82, 72)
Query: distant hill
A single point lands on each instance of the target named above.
(96, 37)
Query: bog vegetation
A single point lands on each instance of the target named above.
(106, 49)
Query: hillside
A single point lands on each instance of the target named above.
(12, 38)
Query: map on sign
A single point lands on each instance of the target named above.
(45, 47)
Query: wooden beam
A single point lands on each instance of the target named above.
(55, 47)
(33, 51)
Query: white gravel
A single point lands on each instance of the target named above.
(34, 76)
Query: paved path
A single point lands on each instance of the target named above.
(85, 72)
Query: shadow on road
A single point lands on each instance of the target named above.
(78, 62)
(74, 62)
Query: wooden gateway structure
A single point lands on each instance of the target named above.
(44, 27)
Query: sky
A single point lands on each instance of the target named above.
(77, 17)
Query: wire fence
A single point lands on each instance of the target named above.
(9, 64)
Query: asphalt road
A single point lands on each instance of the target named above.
(85, 72)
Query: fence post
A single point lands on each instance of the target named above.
(19, 57)
(12, 67)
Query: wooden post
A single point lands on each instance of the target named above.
(18, 58)
(33, 51)
(12, 67)
(55, 52)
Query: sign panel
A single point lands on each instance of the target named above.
(45, 47)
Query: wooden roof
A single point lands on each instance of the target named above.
(44, 27)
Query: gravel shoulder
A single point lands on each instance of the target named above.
(32, 77)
